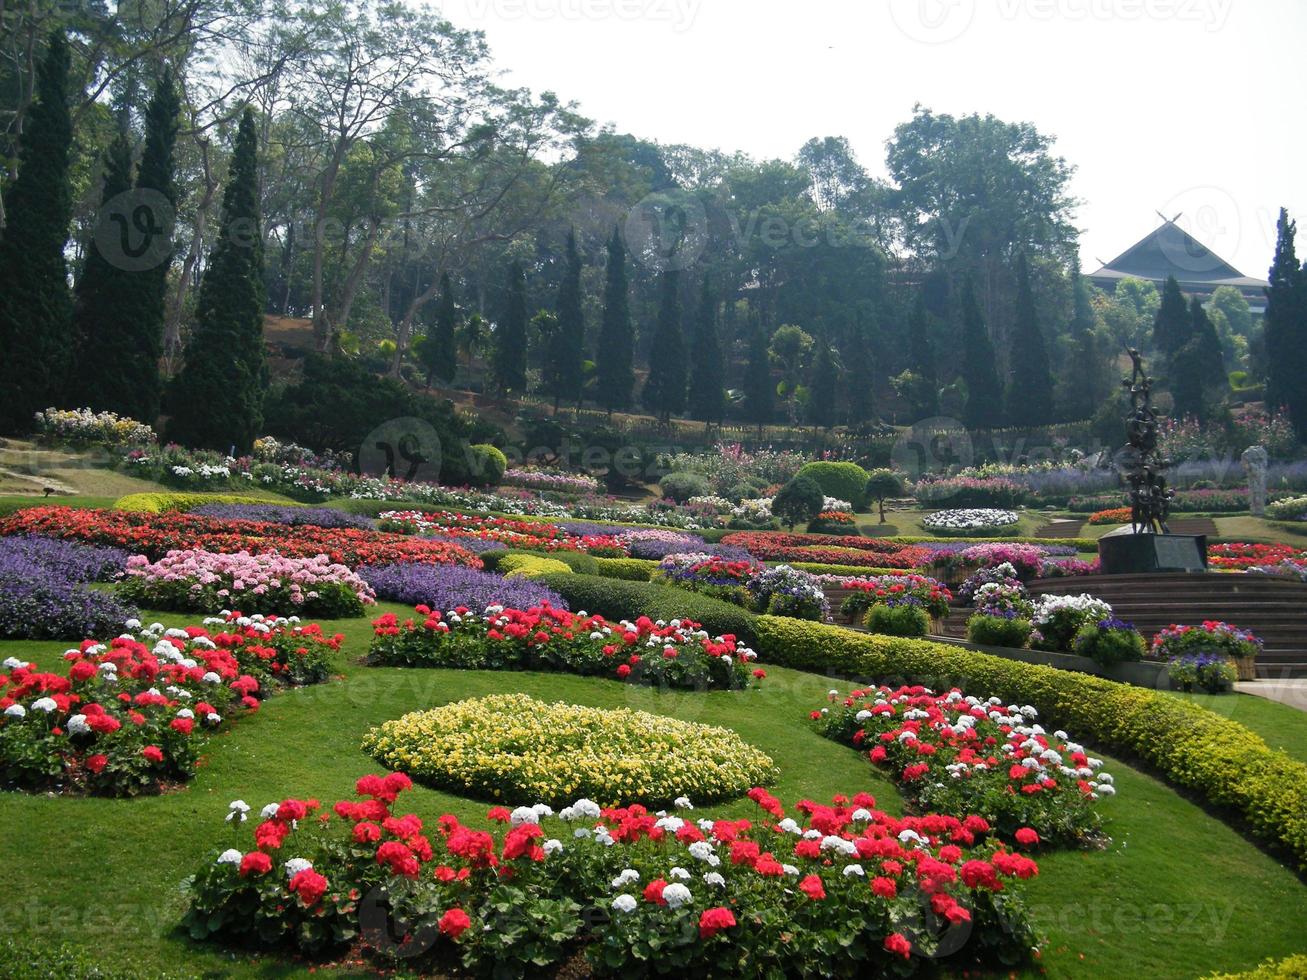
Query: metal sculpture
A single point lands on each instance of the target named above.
(1141, 465)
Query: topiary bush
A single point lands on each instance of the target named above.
(682, 486)
(160, 503)
(531, 566)
(485, 465)
(902, 619)
(798, 502)
(628, 569)
(845, 481)
(999, 631)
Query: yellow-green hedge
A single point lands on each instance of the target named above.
(627, 569)
(1292, 968)
(158, 503)
(1192, 747)
(531, 566)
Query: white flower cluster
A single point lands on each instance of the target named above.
(970, 519)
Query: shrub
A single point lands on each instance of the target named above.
(798, 502)
(446, 587)
(1292, 968)
(1058, 618)
(1294, 509)
(969, 523)
(296, 515)
(1209, 671)
(969, 491)
(881, 485)
(629, 569)
(577, 561)
(524, 749)
(486, 465)
(833, 522)
(682, 486)
(898, 617)
(1109, 641)
(868, 591)
(1192, 747)
(83, 427)
(710, 575)
(161, 503)
(618, 600)
(786, 591)
(846, 481)
(531, 566)
(1211, 636)
(999, 631)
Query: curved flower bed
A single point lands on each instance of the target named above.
(833, 890)
(274, 514)
(555, 481)
(1025, 560)
(975, 522)
(154, 535)
(720, 578)
(1113, 515)
(677, 654)
(448, 586)
(778, 545)
(1239, 556)
(132, 715)
(202, 581)
(514, 748)
(43, 593)
(963, 755)
(510, 533)
(933, 595)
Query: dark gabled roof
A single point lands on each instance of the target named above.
(1171, 251)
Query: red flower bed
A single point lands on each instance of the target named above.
(830, 549)
(508, 531)
(1114, 515)
(154, 535)
(765, 540)
(1241, 555)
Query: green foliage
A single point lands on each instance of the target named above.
(824, 387)
(616, 599)
(1030, 378)
(565, 348)
(897, 620)
(921, 360)
(35, 304)
(530, 566)
(984, 407)
(26, 960)
(438, 351)
(998, 631)
(216, 400)
(508, 366)
(1195, 749)
(1290, 968)
(1286, 329)
(881, 484)
(628, 569)
(707, 397)
(159, 503)
(615, 375)
(682, 486)
(759, 393)
(1107, 646)
(485, 465)
(664, 391)
(1172, 327)
(844, 481)
(798, 502)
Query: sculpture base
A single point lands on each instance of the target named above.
(1123, 552)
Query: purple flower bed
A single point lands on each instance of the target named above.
(478, 546)
(444, 587)
(655, 544)
(43, 595)
(293, 516)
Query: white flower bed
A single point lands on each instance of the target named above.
(969, 521)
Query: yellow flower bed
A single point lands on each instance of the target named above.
(513, 748)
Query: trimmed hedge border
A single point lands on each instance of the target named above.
(627, 569)
(1193, 748)
(165, 503)
(617, 599)
(531, 566)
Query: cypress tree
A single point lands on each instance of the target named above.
(1286, 329)
(984, 407)
(143, 328)
(921, 355)
(35, 304)
(707, 398)
(439, 350)
(1172, 327)
(102, 293)
(567, 348)
(1203, 335)
(509, 363)
(664, 391)
(858, 368)
(615, 375)
(1084, 375)
(1030, 382)
(217, 397)
(759, 392)
(823, 389)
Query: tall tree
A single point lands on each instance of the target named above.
(1172, 327)
(35, 304)
(984, 407)
(824, 387)
(759, 392)
(567, 349)
(615, 375)
(216, 400)
(1084, 377)
(102, 296)
(439, 353)
(664, 391)
(707, 400)
(508, 366)
(1030, 379)
(1286, 328)
(861, 387)
(921, 358)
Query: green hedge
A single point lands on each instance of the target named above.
(531, 566)
(629, 569)
(1195, 749)
(844, 481)
(617, 599)
(159, 503)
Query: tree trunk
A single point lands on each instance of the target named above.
(172, 329)
(321, 327)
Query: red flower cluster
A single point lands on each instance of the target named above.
(154, 535)
(831, 549)
(1238, 556)
(508, 531)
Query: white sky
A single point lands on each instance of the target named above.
(1174, 105)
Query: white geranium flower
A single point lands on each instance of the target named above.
(236, 811)
(13, 663)
(679, 873)
(77, 725)
(676, 895)
(230, 856)
(553, 845)
(701, 850)
(45, 705)
(18, 711)
(624, 903)
(542, 810)
(523, 815)
(851, 870)
(713, 878)
(789, 869)
(683, 803)
(625, 878)
(270, 811)
(295, 865)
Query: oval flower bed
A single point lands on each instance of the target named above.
(962, 755)
(971, 522)
(527, 535)
(132, 715)
(512, 747)
(1239, 556)
(201, 581)
(836, 890)
(676, 654)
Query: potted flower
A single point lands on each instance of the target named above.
(1212, 637)
(1211, 672)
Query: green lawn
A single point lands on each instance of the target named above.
(1177, 893)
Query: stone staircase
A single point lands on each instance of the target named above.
(1273, 608)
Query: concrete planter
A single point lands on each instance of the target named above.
(1141, 673)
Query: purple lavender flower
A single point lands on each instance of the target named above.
(42, 595)
(444, 587)
(293, 516)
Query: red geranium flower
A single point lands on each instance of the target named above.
(714, 920)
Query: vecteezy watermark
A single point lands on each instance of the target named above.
(666, 231)
(932, 445)
(932, 21)
(133, 230)
(680, 14)
(1212, 218)
(406, 448)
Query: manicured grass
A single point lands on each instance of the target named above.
(1176, 893)
(1282, 726)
